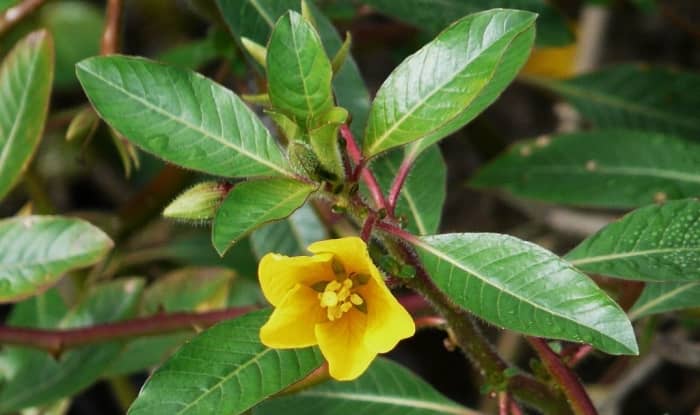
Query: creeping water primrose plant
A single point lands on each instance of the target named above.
(320, 204)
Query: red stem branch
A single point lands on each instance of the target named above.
(399, 180)
(57, 341)
(565, 378)
(110, 36)
(15, 14)
(356, 155)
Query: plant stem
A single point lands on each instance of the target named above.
(367, 227)
(110, 35)
(15, 14)
(57, 341)
(565, 378)
(399, 180)
(367, 176)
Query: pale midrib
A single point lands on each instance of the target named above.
(391, 400)
(225, 379)
(48, 262)
(193, 127)
(625, 171)
(615, 102)
(637, 312)
(623, 255)
(20, 111)
(307, 97)
(286, 200)
(264, 15)
(414, 108)
(463, 267)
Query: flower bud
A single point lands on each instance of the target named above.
(199, 203)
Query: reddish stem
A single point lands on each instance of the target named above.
(429, 322)
(398, 232)
(57, 340)
(110, 36)
(368, 226)
(577, 355)
(414, 303)
(504, 403)
(15, 14)
(397, 185)
(565, 378)
(356, 155)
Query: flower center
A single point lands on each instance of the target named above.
(339, 296)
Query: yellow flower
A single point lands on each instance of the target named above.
(335, 299)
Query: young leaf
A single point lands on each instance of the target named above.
(38, 378)
(290, 236)
(256, 18)
(386, 388)
(25, 86)
(520, 286)
(441, 87)
(298, 70)
(608, 168)
(252, 204)
(225, 370)
(35, 251)
(654, 243)
(661, 297)
(181, 116)
(635, 97)
(426, 15)
(423, 194)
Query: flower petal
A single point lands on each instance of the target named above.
(388, 322)
(352, 251)
(278, 274)
(341, 342)
(293, 321)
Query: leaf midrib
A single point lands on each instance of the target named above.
(391, 400)
(450, 260)
(635, 313)
(173, 118)
(576, 169)
(629, 254)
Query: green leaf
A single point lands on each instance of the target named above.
(635, 97)
(35, 251)
(250, 205)
(25, 88)
(298, 70)
(661, 297)
(255, 19)
(290, 236)
(610, 168)
(6, 4)
(423, 194)
(386, 388)
(181, 116)
(35, 377)
(225, 370)
(433, 17)
(450, 80)
(654, 243)
(520, 286)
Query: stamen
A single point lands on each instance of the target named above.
(356, 299)
(329, 299)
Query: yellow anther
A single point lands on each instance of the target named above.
(347, 283)
(329, 299)
(356, 299)
(333, 286)
(345, 307)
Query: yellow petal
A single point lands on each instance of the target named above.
(293, 321)
(352, 251)
(278, 274)
(387, 321)
(341, 342)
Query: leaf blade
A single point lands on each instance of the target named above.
(26, 75)
(290, 236)
(662, 297)
(189, 125)
(526, 288)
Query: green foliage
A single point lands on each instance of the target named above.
(290, 236)
(25, 86)
(450, 80)
(219, 372)
(523, 287)
(661, 297)
(654, 243)
(607, 168)
(35, 251)
(386, 388)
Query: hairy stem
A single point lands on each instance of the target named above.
(367, 176)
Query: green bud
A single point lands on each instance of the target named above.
(257, 99)
(257, 51)
(303, 159)
(83, 125)
(342, 54)
(198, 203)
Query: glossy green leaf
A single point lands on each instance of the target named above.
(608, 168)
(197, 53)
(250, 205)
(432, 17)
(255, 19)
(450, 80)
(520, 286)
(298, 70)
(181, 117)
(661, 297)
(25, 87)
(35, 251)
(423, 194)
(654, 243)
(225, 370)
(290, 236)
(386, 388)
(635, 97)
(37, 378)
